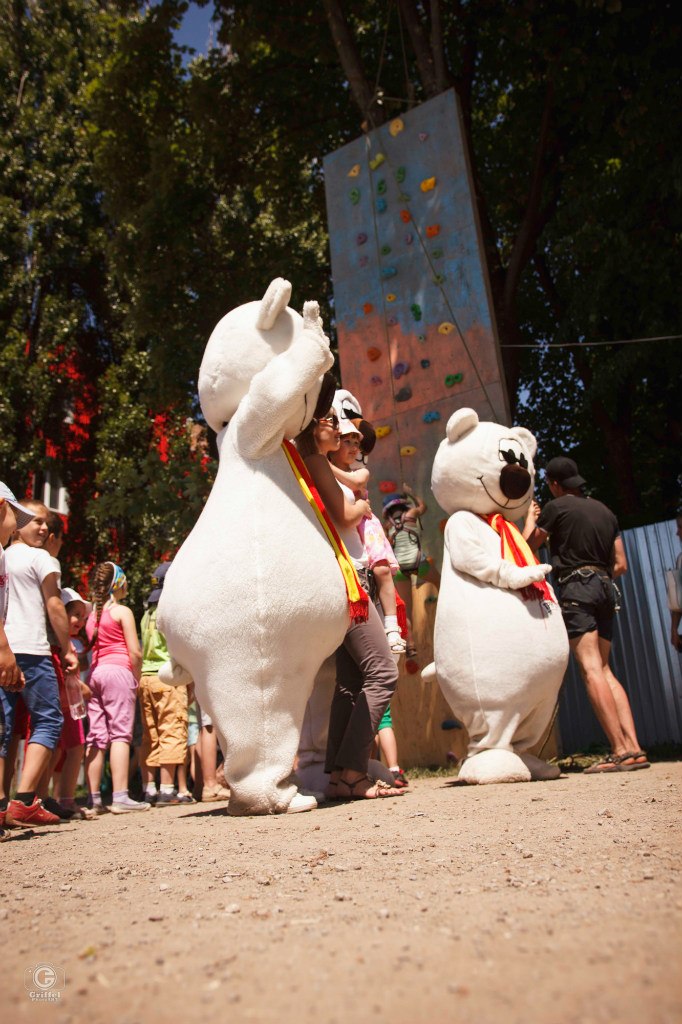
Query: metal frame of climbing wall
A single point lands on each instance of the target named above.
(414, 317)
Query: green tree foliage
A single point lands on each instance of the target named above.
(80, 389)
(576, 169)
(143, 197)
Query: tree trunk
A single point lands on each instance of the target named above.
(363, 94)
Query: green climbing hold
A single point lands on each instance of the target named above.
(453, 378)
(385, 249)
(416, 311)
(354, 196)
(381, 187)
(400, 175)
(437, 253)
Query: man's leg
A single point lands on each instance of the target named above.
(592, 654)
(620, 698)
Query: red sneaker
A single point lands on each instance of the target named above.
(25, 817)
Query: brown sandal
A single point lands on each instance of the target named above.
(382, 789)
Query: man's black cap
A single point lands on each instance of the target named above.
(565, 472)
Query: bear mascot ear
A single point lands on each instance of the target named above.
(460, 423)
(274, 302)
(526, 438)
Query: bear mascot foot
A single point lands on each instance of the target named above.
(490, 766)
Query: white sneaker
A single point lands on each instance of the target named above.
(299, 802)
(128, 805)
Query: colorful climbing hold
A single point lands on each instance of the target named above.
(400, 369)
(388, 272)
(416, 311)
(405, 216)
(361, 238)
(411, 667)
(381, 187)
(425, 363)
(354, 171)
(404, 394)
(385, 249)
(396, 126)
(431, 417)
(404, 197)
(428, 184)
(421, 337)
(373, 354)
(392, 321)
(437, 253)
(432, 230)
(354, 196)
(363, 261)
(453, 378)
(409, 238)
(400, 175)
(387, 486)
(377, 161)
(367, 307)
(375, 381)
(391, 297)
(381, 204)
(408, 449)
(438, 278)
(423, 136)
(382, 431)
(446, 327)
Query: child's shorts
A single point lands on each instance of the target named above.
(164, 718)
(386, 721)
(111, 708)
(193, 727)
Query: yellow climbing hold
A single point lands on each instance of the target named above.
(427, 184)
(408, 449)
(354, 171)
(396, 126)
(391, 297)
(446, 327)
(377, 161)
(382, 431)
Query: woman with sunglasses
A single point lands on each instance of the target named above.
(366, 674)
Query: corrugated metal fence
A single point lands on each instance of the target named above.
(642, 658)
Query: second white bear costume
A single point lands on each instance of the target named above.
(499, 657)
(255, 600)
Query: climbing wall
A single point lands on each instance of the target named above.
(417, 341)
(415, 325)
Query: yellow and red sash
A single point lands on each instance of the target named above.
(358, 601)
(515, 549)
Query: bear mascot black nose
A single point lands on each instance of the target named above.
(514, 481)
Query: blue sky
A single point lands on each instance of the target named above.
(196, 27)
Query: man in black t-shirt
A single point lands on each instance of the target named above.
(587, 553)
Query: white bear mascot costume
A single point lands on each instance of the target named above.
(500, 644)
(255, 599)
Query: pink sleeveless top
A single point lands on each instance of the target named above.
(110, 647)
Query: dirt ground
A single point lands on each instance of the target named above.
(549, 902)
